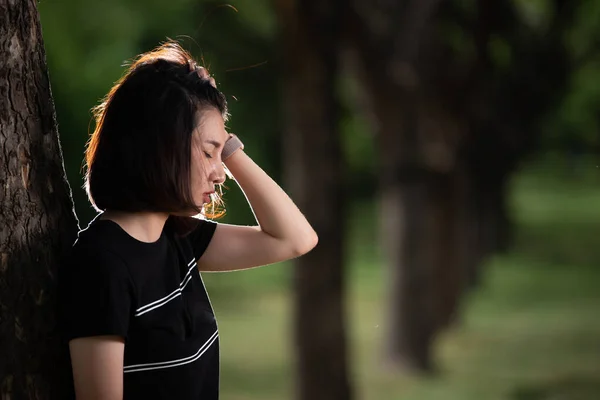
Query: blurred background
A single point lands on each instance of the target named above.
(447, 154)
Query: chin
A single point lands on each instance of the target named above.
(189, 213)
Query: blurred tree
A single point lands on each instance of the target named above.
(417, 138)
(37, 222)
(457, 90)
(310, 32)
(519, 74)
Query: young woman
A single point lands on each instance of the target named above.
(135, 313)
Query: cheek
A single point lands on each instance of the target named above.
(199, 173)
(197, 176)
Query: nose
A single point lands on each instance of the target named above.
(219, 174)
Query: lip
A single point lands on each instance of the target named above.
(206, 197)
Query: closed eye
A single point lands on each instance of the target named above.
(207, 155)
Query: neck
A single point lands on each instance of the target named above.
(143, 226)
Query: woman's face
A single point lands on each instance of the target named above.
(207, 168)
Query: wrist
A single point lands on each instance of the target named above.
(232, 145)
(236, 164)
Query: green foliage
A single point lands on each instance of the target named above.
(500, 53)
(358, 141)
(575, 124)
(535, 13)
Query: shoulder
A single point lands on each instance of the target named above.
(198, 231)
(95, 256)
(93, 247)
(186, 226)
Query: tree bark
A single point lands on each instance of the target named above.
(314, 176)
(37, 220)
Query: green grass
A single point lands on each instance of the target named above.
(531, 331)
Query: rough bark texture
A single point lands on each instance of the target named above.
(37, 221)
(312, 152)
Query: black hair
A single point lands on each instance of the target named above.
(138, 157)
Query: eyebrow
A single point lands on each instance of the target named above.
(213, 142)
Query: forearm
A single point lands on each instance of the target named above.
(276, 213)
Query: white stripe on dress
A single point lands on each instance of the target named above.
(173, 363)
(177, 292)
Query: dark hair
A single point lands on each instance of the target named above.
(138, 157)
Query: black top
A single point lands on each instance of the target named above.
(151, 294)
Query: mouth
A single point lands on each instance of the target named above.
(207, 197)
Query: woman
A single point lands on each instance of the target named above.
(135, 312)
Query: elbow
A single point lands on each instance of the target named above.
(308, 243)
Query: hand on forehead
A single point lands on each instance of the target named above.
(203, 73)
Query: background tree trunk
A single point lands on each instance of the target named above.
(389, 40)
(314, 175)
(452, 129)
(37, 221)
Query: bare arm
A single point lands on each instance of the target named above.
(98, 367)
(283, 231)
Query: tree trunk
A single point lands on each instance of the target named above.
(420, 191)
(410, 305)
(468, 234)
(314, 175)
(448, 258)
(405, 222)
(421, 222)
(417, 142)
(37, 221)
(489, 224)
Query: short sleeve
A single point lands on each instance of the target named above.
(96, 294)
(201, 236)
